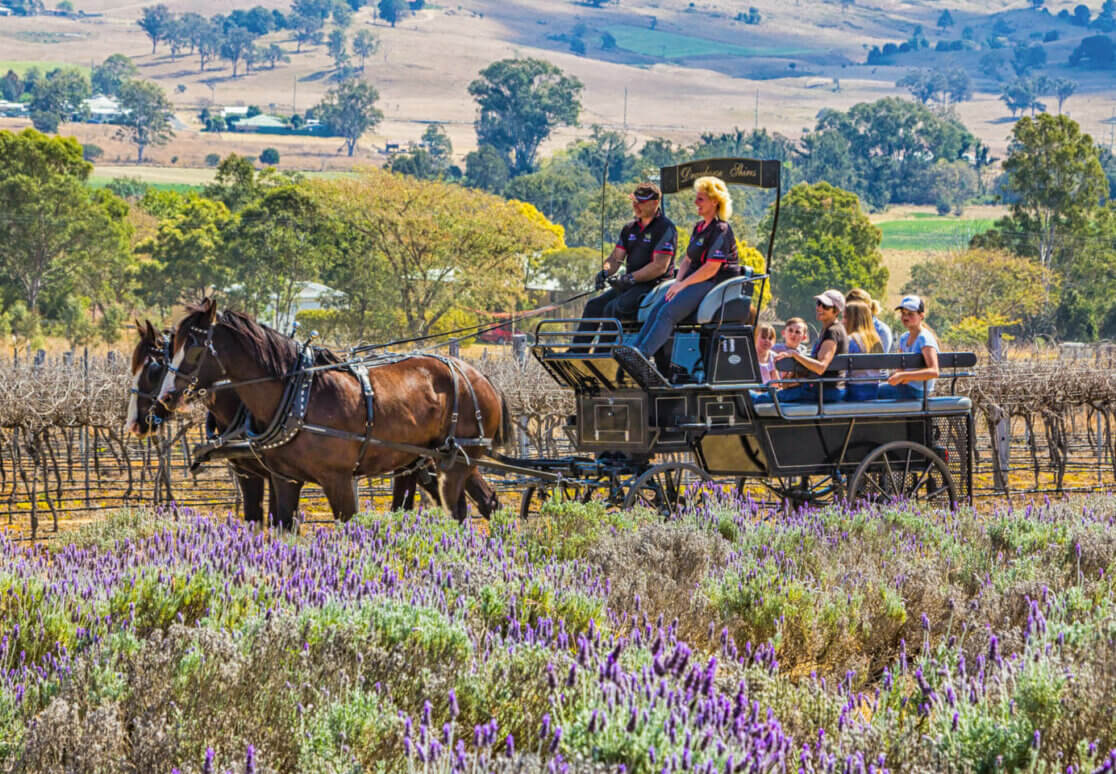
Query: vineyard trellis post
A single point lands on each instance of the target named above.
(1001, 422)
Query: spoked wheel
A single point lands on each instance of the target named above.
(663, 488)
(803, 491)
(536, 496)
(904, 470)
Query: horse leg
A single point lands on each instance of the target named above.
(453, 490)
(340, 490)
(287, 493)
(403, 490)
(251, 489)
(482, 493)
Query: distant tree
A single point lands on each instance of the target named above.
(945, 20)
(1019, 95)
(154, 22)
(608, 41)
(979, 282)
(188, 246)
(307, 29)
(253, 55)
(1056, 180)
(146, 118)
(11, 86)
(1050, 36)
(1025, 58)
(923, 84)
(176, 36)
(607, 155)
(349, 110)
(212, 159)
(577, 46)
(91, 152)
(418, 163)
(992, 63)
(341, 14)
(207, 41)
(57, 98)
(337, 48)
(521, 101)
(1063, 89)
(1081, 15)
(274, 54)
(659, 152)
(1037, 4)
(365, 44)
(269, 156)
(110, 74)
(486, 169)
(236, 45)
(1096, 52)
(392, 11)
(959, 86)
(825, 241)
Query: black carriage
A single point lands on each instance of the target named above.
(646, 432)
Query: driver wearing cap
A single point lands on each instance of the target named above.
(646, 248)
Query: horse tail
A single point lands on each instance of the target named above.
(505, 431)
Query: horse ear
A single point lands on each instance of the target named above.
(151, 332)
(141, 329)
(209, 308)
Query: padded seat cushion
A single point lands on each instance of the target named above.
(866, 408)
(721, 294)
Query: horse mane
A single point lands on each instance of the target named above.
(270, 348)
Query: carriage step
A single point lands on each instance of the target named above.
(640, 368)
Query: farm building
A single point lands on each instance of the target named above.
(12, 109)
(102, 109)
(260, 123)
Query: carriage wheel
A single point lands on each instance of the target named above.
(808, 491)
(537, 495)
(663, 487)
(904, 470)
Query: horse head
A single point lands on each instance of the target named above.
(194, 365)
(149, 364)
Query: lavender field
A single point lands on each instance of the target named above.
(729, 639)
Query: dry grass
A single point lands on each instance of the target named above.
(419, 82)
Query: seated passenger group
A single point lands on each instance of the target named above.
(849, 326)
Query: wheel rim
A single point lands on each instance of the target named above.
(663, 488)
(904, 471)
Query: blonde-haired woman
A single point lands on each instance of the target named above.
(882, 328)
(710, 259)
(863, 340)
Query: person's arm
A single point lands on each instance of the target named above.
(826, 352)
(706, 271)
(614, 260)
(661, 255)
(926, 373)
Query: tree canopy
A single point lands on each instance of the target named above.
(521, 101)
(825, 241)
(146, 118)
(349, 110)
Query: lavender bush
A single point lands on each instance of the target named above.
(726, 639)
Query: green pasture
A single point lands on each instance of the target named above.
(671, 45)
(930, 232)
(22, 66)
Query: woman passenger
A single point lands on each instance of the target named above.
(863, 339)
(765, 342)
(882, 329)
(912, 384)
(710, 259)
(833, 341)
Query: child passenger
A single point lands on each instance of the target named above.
(795, 334)
(863, 339)
(765, 341)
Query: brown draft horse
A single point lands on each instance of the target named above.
(149, 367)
(414, 403)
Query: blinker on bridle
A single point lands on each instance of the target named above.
(197, 361)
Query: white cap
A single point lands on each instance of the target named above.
(911, 304)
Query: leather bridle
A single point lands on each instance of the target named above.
(194, 354)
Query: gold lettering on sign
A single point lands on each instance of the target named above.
(739, 170)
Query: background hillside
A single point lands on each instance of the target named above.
(666, 68)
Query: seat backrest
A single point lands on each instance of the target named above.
(729, 300)
(651, 299)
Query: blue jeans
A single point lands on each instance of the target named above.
(665, 315)
(900, 392)
(803, 393)
(862, 391)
